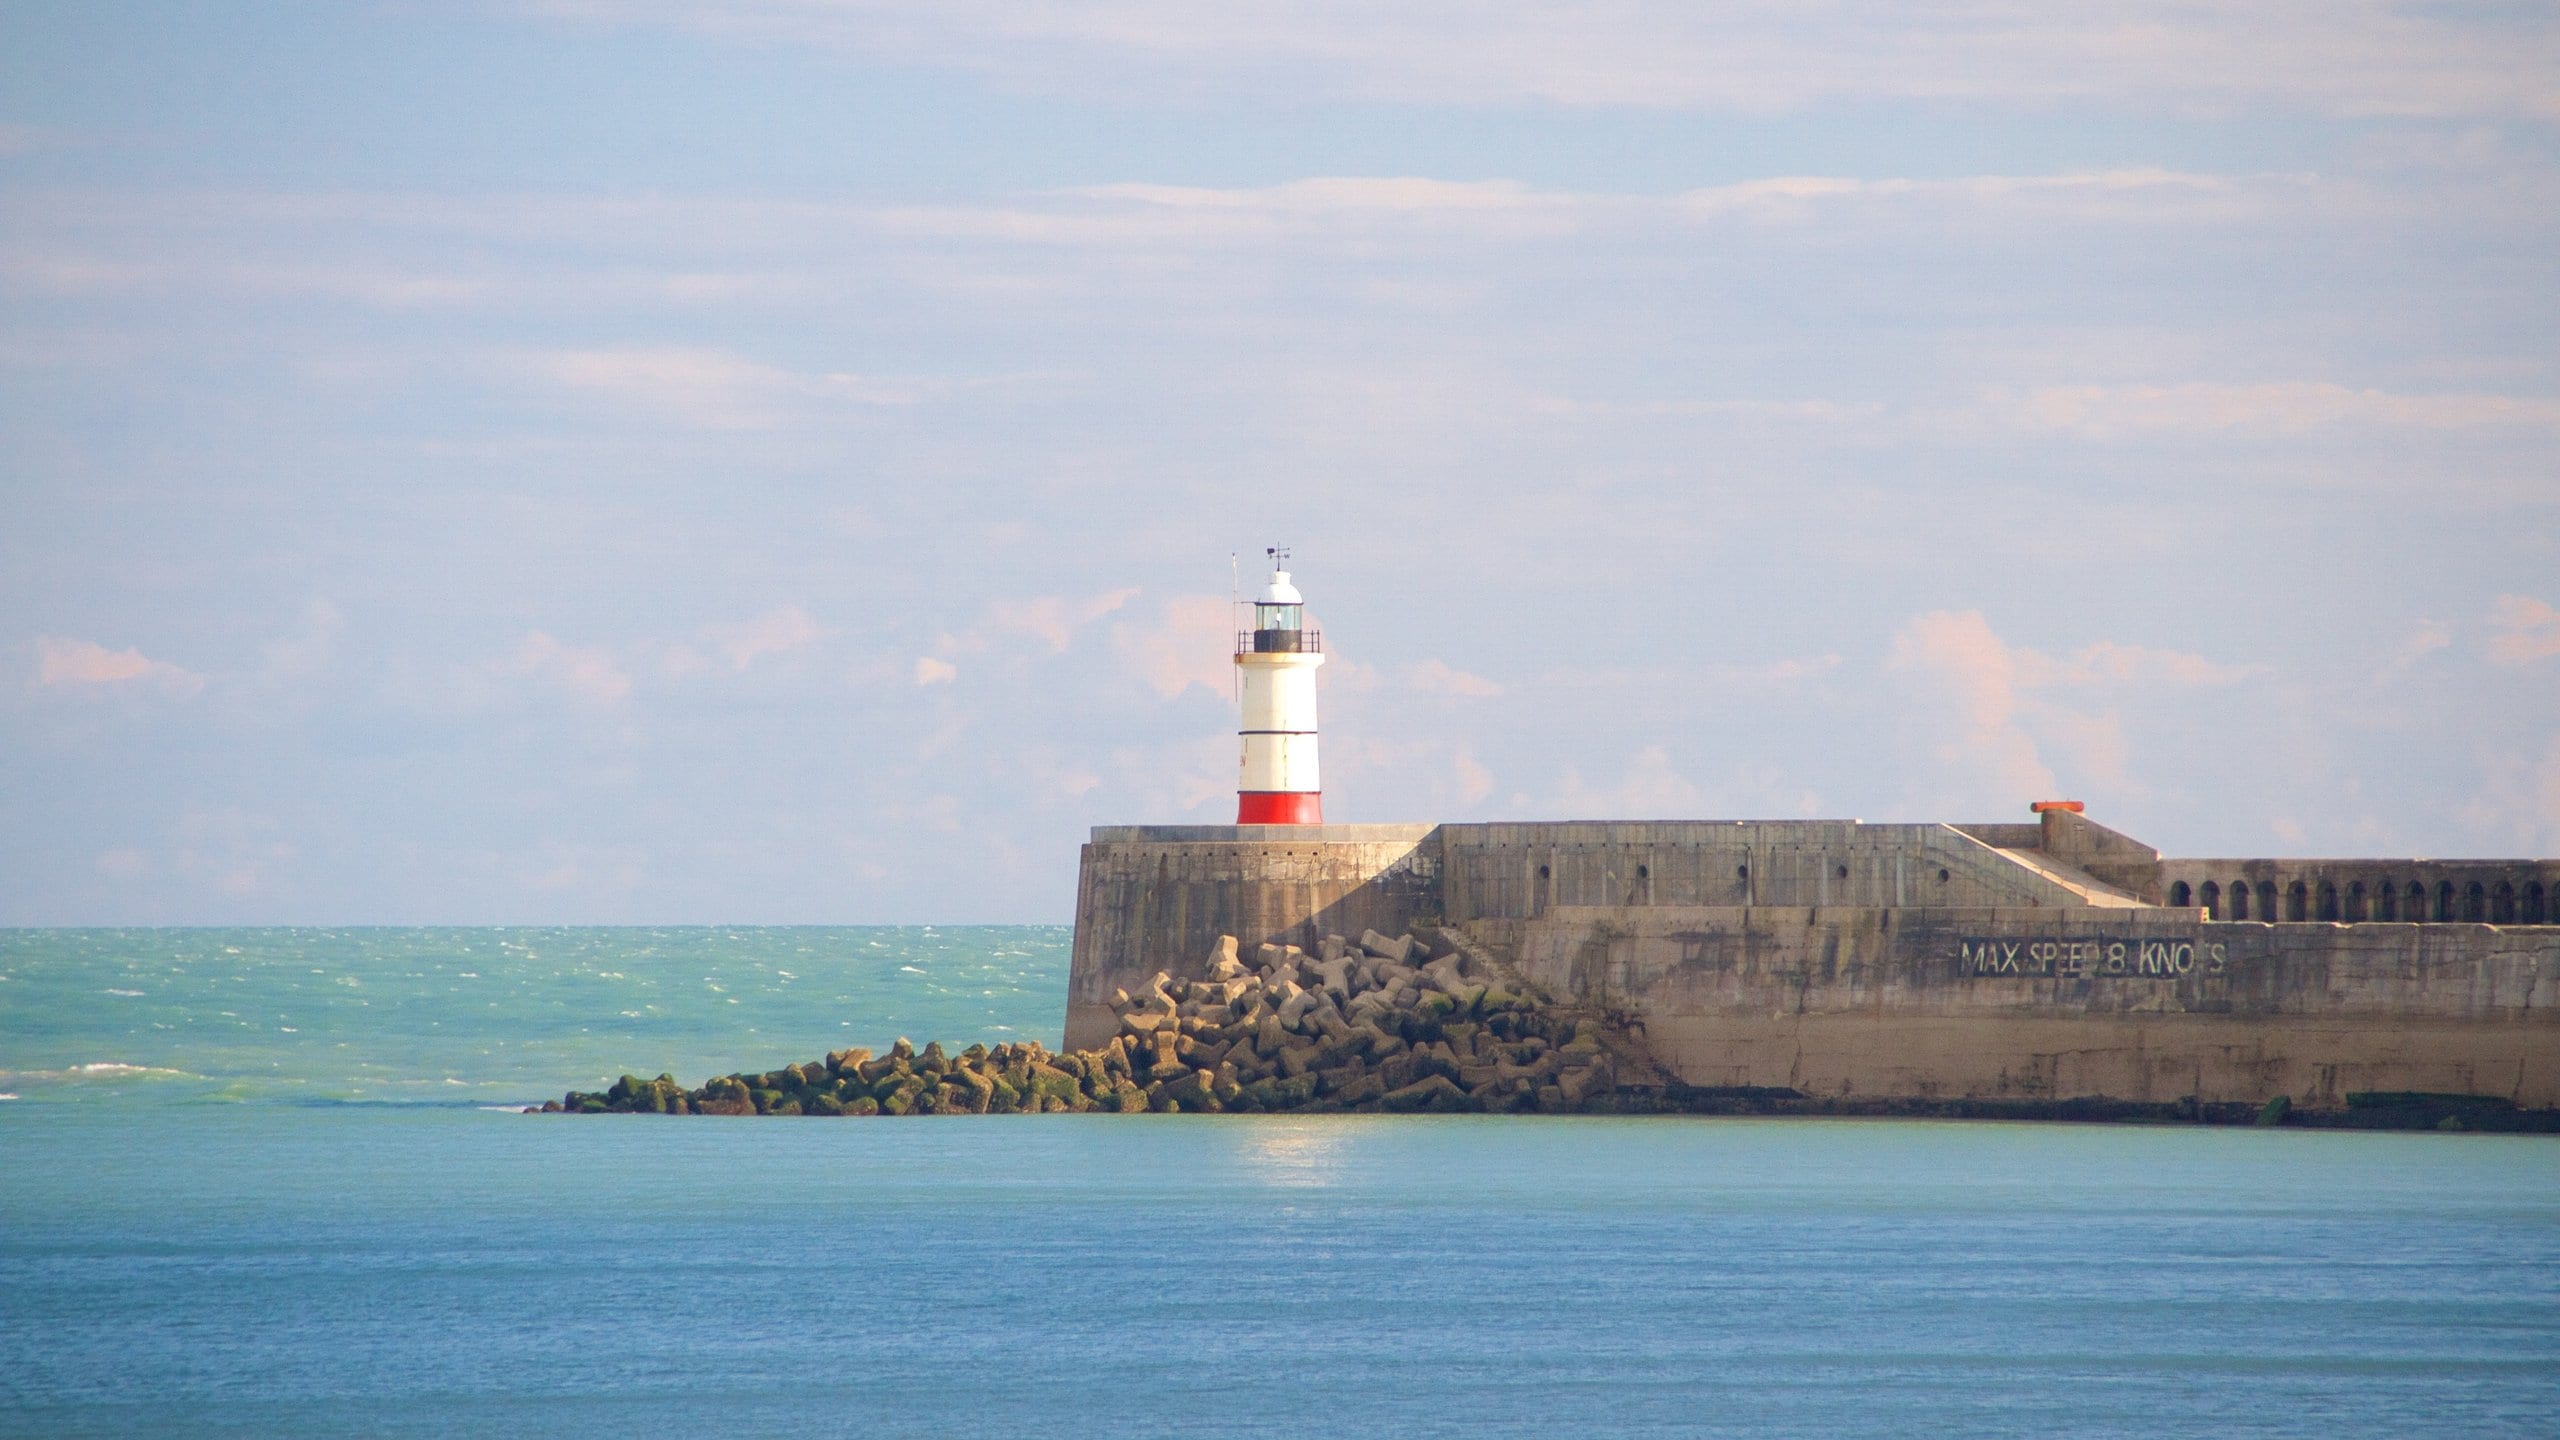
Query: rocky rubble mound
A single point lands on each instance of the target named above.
(1374, 1024)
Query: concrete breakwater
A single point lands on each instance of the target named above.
(1403, 1023)
(2059, 968)
(1426, 1021)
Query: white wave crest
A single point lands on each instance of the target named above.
(99, 1070)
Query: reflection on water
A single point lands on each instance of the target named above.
(1298, 1154)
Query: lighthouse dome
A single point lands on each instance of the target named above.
(1280, 591)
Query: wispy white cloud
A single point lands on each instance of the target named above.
(562, 255)
(69, 664)
(2355, 57)
(776, 631)
(1439, 677)
(2281, 407)
(1963, 681)
(1189, 641)
(590, 673)
(308, 648)
(2140, 197)
(2110, 663)
(1993, 719)
(2427, 639)
(712, 388)
(1472, 780)
(1053, 620)
(2519, 805)
(1651, 788)
(238, 853)
(2527, 630)
(1050, 621)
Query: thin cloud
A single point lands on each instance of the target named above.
(1993, 718)
(309, 647)
(1190, 641)
(1473, 781)
(69, 664)
(2528, 630)
(2110, 663)
(2429, 638)
(1963, 680)
(2107, 412)
(1053, 620)
(710, 388)
(588, 673)
(2342, 57)
(1438, 677)
(2520, 804)
(778, 630)
(1651, 788)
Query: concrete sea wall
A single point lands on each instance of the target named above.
(2026, 962)
(2141, 1005)
(1158, 897)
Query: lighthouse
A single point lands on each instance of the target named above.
(1276, 661)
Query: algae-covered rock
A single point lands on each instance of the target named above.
(1407, 1022)
(1361, 1090)
(1435, 1092)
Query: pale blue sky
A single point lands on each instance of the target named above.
(776, 460)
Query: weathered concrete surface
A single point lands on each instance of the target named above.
(2145, 1005)
(1152, 898)
(1515, 871)
(1823, 955)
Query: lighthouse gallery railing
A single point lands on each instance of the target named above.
(1280, 642)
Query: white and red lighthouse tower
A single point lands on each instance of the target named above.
(1276, 661)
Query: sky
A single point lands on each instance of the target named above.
(778, 461)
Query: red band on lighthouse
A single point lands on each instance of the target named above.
(1276, 665)
(1281, 807)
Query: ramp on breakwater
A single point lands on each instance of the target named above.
(2050, 961)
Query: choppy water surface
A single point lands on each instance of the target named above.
(207, 1253)
(490, 1015)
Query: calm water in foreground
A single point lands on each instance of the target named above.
(235, 1198)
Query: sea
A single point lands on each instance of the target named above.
(276, 1182)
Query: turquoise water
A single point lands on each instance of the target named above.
(279, 1236)
(491, 1016)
